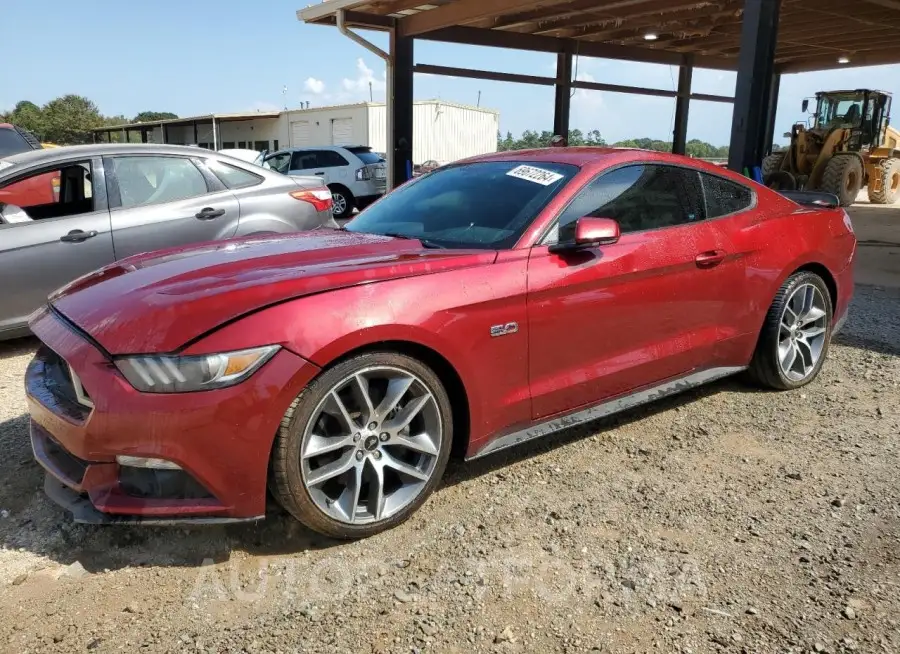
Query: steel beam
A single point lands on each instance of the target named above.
(563, 102)
(400, 138)
(756, 67)
(775, 89)
(682, 105)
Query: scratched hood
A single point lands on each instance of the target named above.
(159, 301)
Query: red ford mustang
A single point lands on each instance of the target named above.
(487, 303)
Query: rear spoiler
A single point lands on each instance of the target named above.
(813, 198)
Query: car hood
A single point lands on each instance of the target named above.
(158, 302)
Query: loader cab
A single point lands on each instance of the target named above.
(865, 113)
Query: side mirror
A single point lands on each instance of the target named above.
(805, 106)
(590, 233)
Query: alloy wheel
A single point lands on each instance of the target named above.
(802, 332)
(340, 203)
(371, 445)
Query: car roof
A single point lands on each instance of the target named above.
(101, 149)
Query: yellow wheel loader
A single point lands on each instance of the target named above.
(850, 145)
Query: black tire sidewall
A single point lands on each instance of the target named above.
(291, 492)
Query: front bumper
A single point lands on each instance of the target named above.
(220, 439)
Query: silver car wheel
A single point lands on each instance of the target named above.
(340, 203)
(371, 445)
(802, 332)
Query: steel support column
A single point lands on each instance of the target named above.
(756, 66)
(196, 137)
(400, 138)
(562, 105)
(775, 89)
(683, 105)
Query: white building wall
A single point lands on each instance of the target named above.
(442, 131)
(320, 123)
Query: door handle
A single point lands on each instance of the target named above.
(321, 173)
(77, 236)
(710, 259)
(209, 213)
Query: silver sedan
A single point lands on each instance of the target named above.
(67, 211)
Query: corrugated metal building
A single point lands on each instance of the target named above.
(442, 131)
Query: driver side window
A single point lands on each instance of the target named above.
(639, 197)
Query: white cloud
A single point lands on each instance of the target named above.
(314, 86)
(358, 87)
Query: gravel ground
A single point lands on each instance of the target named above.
(725, 519)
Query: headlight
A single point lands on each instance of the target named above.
(174, 374)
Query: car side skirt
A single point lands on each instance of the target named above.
(606, 408)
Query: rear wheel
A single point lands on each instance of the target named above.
(795, 336)
(888, 183)
(363, 446)
(343, 202)
(843, 177)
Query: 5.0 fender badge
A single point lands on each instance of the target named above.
(503, 330)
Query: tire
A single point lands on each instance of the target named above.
(766, 368)
(344, 203)
(843, 177)
(889, 188)
(781, 180)
(772, 164)
(330, 507)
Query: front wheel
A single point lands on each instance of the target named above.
(795, 336)
(363, 446)
(844, 178)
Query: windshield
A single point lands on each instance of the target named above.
(485, 204)
(844, 109)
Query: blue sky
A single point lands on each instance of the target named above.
(201, 56)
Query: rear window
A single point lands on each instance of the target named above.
(724, 197)
(11, 142)
(366, 155)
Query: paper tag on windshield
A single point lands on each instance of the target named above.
(536, 175)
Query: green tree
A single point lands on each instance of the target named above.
(27, 115)
(151, 116)
(69, 120)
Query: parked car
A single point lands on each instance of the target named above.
(67, 211)
(426, 167)
(356, 175)
(14, 140)
(491, 302)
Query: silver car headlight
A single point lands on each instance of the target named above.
(184, 374)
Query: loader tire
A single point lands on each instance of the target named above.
(772, 164)
(889, 188)
(843, 177)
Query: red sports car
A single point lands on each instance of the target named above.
(487, 303)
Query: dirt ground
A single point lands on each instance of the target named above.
(722, 520)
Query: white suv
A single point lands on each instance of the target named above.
(355, 175)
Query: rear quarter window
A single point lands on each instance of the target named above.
(724, 197)
(11, 142)
(232, 176)
(366, 155)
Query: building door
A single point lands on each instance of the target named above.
(300, 133)
(342, 131)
